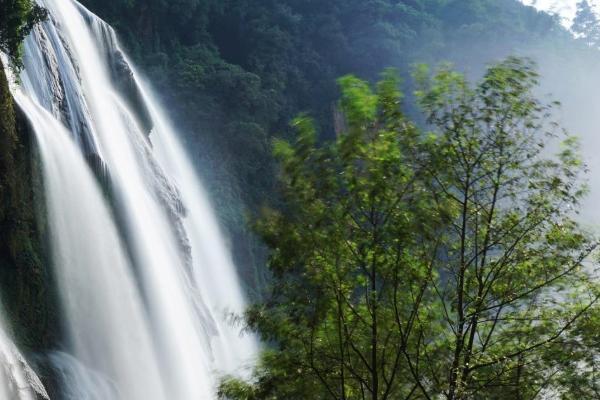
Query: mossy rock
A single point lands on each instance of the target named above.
(26, 284)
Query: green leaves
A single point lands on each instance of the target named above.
(445, 265)
(513, 243)
(352, 207)
(358, 102)
(17, 19)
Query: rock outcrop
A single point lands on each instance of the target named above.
(27, 293)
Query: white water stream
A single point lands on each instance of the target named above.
(146, 282)
(17, 380)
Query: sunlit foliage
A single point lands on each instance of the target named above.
(427, 265)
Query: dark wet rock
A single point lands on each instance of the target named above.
(57, 90)
(121, 72)
(26, 282)
(124, 79)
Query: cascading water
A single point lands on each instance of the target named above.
(98, 293)
(17, 380)
(209, 255)
(79, 382)
(146, 281)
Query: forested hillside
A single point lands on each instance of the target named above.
(408, 212)
(235, 72)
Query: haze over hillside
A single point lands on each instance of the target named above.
(299, 199)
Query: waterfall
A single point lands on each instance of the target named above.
(209, 254)
(107, 325)
(147, 284)
(17, 380)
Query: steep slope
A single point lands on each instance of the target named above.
(25, 281)
(235, 72)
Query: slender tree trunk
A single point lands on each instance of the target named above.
(481, 286)
(341, 346)
(374, 333)
(460, 340)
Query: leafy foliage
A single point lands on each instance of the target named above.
(234, 72)
(27, 293)
(586, 24)
(17, 18)
(446, 265)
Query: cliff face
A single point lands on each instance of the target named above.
(25, 281)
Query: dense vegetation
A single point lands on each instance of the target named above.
(424, 266)
(586, 23)
(235, 72)
(27, 294)
(17, 18)
(429, 252)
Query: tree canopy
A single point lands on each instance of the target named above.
(17, 18)
(586, 24)
(234, 72)
(425, 265)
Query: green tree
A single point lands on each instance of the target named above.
(586, 24)
(426, 266)
(17, 18)
(513, 252)
(354, 234)
(234, 72)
